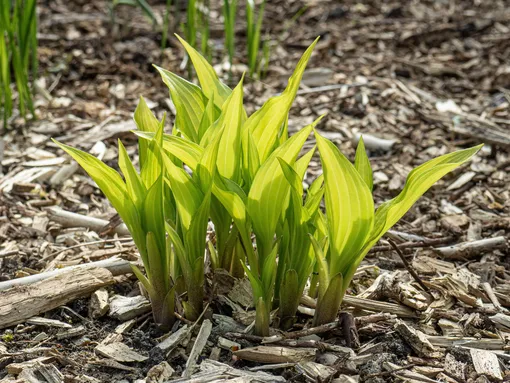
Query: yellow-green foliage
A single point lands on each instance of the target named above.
(246, 177)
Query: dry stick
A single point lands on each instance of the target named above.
(21, 303)
(408, 266)
(116, 266)
(349, 329)
(291, 342)
(413, 245)
(386, 373)
(70, 219)
(104, 241)
(301, 333)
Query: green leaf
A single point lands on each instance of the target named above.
(142, 278)
(145, 122)
(187, 193)
(322, 265)
(349, 205)
(190, 103)
(206, 168)
(156, 273)
(266, 123)
(268, 274)
(418, 182)
(185, 150)
(362, 164)
(211, 85)
(329, 304)
(111, 184)
(152, 168)
(251, 160)
(208, 117)
(229, 123)
(153, 219)
(289, 298)
(135, 186)
(270, 188)
(195, 237)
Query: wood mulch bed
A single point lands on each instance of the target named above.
(429, 303)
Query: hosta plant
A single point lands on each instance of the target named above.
(353, 225)
(18, 52)
(245, 175)
(139, 200)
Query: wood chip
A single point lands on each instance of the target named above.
(175, 339)
(486, 363)
(467, 250)
(48, 372)
(276, 354)
(39, 321)
(16, 368)
(125, 308)
(202, 337)
(98, 304)
(71, 333)
(20, 303)
(316, 372)
(120, 352)
(160, 373)
(416, 339)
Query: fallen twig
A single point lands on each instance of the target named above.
(470, 249)
(115, 266)
(20, 303)
(408, 266)
(69, 219)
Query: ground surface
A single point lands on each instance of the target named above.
(429, 76)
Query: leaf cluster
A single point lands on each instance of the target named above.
(244, 176)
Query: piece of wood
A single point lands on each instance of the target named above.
(160, 373)
(200, 342)
(125, 327)
(276, 354)
(71, 333)
(385, 307)
(368, 304)
(228, 345)
(416, 339)
(482, 344)
(316, 372)
(406, 375)
(16, 368)
(175, 339)
(502, 321)
(126, 308)
(98, 304)
(115, 266)
(214, 371)
(69, 219)
(467, 250)
(48, 372)
(20, 303)
(486, 363)
(39, 321)
(120, 352)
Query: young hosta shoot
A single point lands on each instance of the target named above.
(296, 258)
(229, 21)
(140, 203)
(352, 224)
(193, 198)
(18, 50)
(253, 28)
(245, 175)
